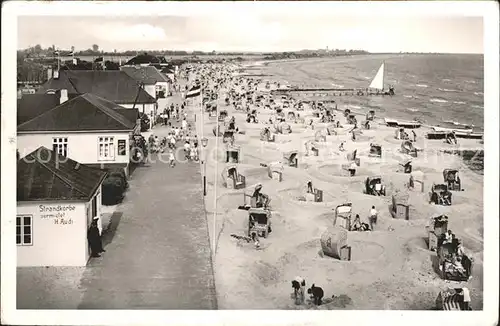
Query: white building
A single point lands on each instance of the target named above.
(155, 83)
(86, 128)
(57, 199)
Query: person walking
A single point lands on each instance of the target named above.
(187, 150)
(184, 124)
(171, 158)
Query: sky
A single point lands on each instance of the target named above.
(256, 32)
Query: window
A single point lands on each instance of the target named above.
(122, 147)
(60, 146)
(24, 230)
(106, 148)
(94, 206)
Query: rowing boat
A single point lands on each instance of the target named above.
(402, 123)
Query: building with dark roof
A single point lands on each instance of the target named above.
(154, 81)
(32, 105)
(57, 199)
(86, 128)
(112, 85)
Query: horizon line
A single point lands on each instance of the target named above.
(192, 52)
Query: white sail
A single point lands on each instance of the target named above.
(378, 80)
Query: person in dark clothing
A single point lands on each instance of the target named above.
(317, 294)
(94, 238)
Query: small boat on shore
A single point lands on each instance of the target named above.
(402, 123)
(458, 134)
(450, 126)
(461, 130)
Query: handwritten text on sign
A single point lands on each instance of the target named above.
(57, 213)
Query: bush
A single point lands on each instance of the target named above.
(112, 190)
(120, 175)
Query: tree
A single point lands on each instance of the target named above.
(38, 49)
(95, 47)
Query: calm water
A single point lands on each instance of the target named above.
(431, 88)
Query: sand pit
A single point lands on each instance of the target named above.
(297, 196)
(229, 201)
(361, 251)
(336, 170)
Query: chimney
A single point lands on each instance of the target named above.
(49, 73)
(64, 96)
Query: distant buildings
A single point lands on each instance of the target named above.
(146, 60)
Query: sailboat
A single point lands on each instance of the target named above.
(377, 84)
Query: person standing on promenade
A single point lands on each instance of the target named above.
(94, 238)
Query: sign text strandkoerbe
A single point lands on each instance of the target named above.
(57, 213)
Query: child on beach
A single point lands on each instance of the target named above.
(373, 217)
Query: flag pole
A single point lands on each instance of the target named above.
(215, 175)
(203, 156)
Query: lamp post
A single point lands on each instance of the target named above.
(204, 143)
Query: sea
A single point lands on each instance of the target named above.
(431, 88)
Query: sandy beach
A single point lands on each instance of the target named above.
(390, 268)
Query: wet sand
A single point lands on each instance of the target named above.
(390, 268)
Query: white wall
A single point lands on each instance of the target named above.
(148, 108)
(82, 147)
(55, 244)
(151, 90)
(163, 86)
